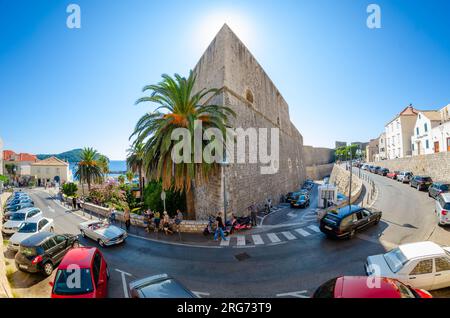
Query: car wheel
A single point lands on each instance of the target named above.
(48, 269)
(101, 243)
(82, 233)
(76, 244)
(52, 230)
(377, 221)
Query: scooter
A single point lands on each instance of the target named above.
(243, 223)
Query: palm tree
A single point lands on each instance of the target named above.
(130, 176)
(135, 162)
(89, 169)
(181, 108)
(103, 162)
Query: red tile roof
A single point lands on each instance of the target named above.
(9, 155)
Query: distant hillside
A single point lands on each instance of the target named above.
(72, 156)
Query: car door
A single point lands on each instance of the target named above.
(51, 249)
(42, 225)
(442, 272)
(97, 273)
(61, 246)
(361, 221)
(422, 274)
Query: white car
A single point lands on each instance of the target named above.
(103, 233)
(422, 265)
(404, 176)
(442, 209)
(16, 219)
(29, 229)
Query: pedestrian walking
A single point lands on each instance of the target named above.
(127, 218)
(219, 228)
(78, 203)
(253, 213)
(74, 203)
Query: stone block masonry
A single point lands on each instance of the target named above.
(244, 86)
(436, 165)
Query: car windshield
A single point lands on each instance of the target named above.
(17, 217)
(64, 282)
(28, 228)
(395, 259)
(404, 290)
(166, 289)
(302, 198)
(444, 187)
(426, 179)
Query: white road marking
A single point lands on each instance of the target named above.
(257, 239)
(302, 232)
(124, 282)
(240, 240)
(225, 243)
(296, 294)
(292, 215)
(200, 294)
(273, 237)
(315, 228)
(289, 235)
(51, 209)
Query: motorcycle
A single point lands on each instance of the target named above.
(243, 223)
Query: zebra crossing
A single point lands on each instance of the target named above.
(241, 241)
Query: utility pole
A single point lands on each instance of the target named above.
(350, 184)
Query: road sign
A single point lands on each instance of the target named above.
(163, 195)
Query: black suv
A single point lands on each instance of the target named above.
(41, 252)
(437, 188)
(383, 172)
(421, 182)
(347, 220)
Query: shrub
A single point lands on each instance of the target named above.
(152, 199)
(70, 189)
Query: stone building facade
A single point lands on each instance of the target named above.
(244, 86)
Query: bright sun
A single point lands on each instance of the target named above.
(212, 22)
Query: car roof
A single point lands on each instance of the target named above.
(346, 210)
(26, 210)
(81, 256)
(160, 286)
(357, 287)
(421, 249)
(36, 239)
(446, 197)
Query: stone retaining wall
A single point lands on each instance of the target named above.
(319, 172)
(186, 226)
(5, 289)
(437, 165)
(341, 177)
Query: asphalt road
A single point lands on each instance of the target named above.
(288, 269)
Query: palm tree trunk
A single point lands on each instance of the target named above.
(190, 205)
(141, 188)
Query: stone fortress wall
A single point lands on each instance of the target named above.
(436, 165)
(245, 87)
(318, 161)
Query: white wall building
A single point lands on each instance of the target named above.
(422, 140)
(441, 137)
(51, 170)
(381, 155)
(399, 132)
(1, 156)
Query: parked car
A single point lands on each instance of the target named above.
(421, 182)
(374, 169)
(442, 209)
(404, 176)
(159, 286)
(19, 206)
(365, 167)
(104, 234)
(16, 219)
(346, 221)
(393, 175)
(359, 287)
(17, 195)
(302, 202)
(94, 275)
(424, 265)
(304, 192)
(40, 253)
(437, 188)
(383, 171)
(18, 201)
(28, 229)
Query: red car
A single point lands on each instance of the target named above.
(393, 174)
(83, 273)
(361, 287)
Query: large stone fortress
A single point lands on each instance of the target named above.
(228, 65)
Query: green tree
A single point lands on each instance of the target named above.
(88, 169)
(130, 176)
(174, 200)
(103, 162)
(121, 179)
(181, 108)
(69, 189)
(135, 162)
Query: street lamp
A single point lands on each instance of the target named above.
(350, 185)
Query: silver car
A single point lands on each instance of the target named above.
(103, 233)
(404, 176)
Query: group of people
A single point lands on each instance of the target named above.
(155, 222)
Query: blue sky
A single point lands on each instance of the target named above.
(62, 88)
